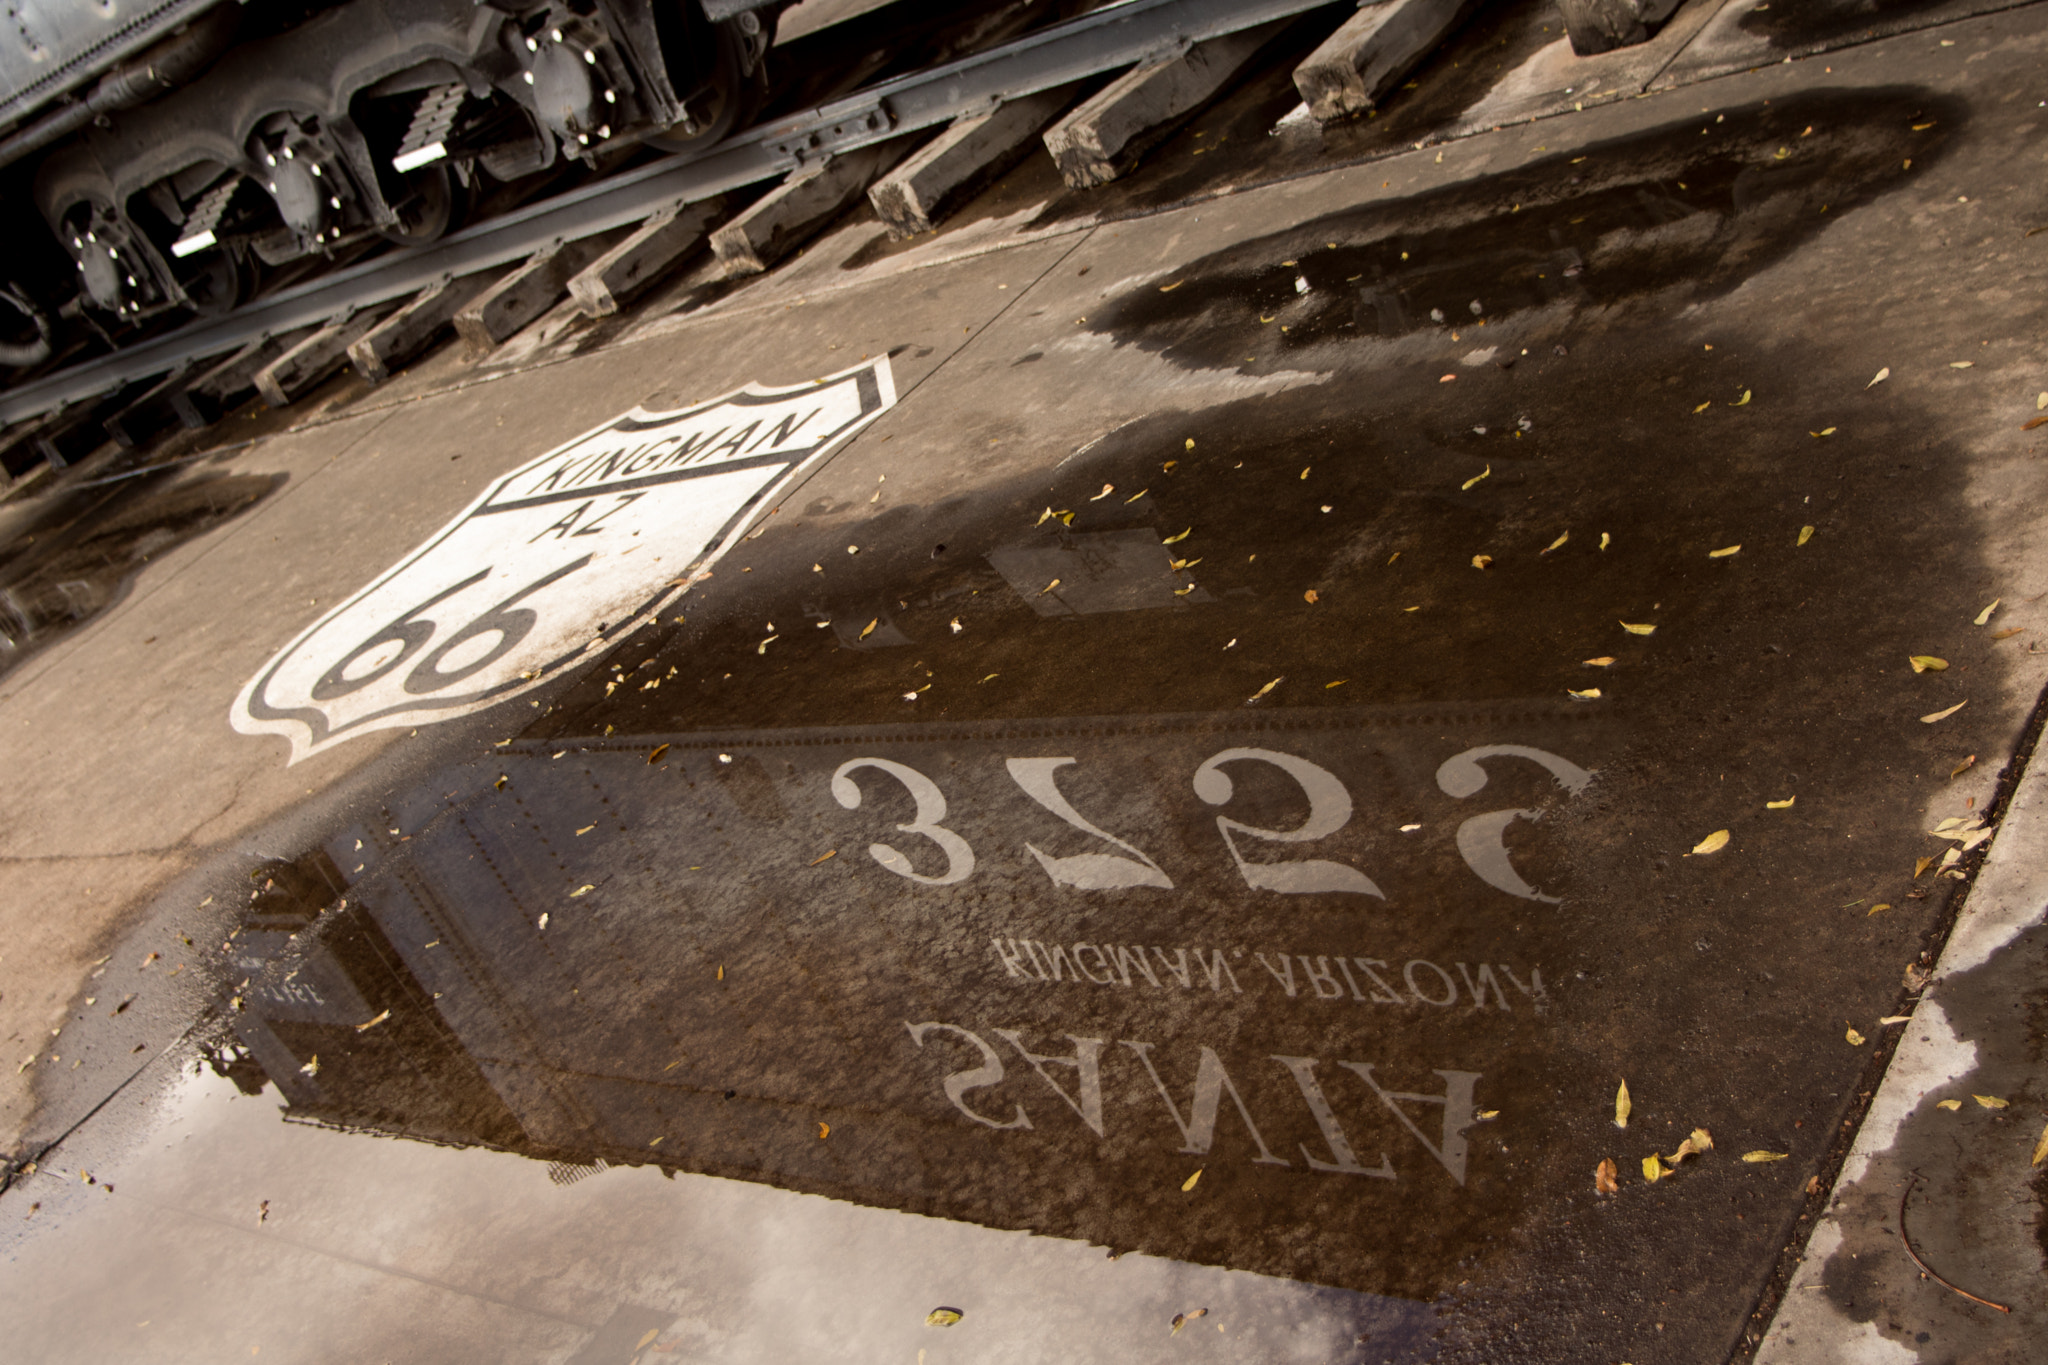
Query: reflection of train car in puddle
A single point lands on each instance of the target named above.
(170, 161)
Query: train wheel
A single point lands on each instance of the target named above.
(223, 281)
(727, 102)
(24, 330)
(435, 205)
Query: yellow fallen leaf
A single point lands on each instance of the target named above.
(1805, 534)
(1891, 1019)
(1653, 1168)
(1481, 561)
(1476, 477)
(1603, 1178)
(1175, 540)
(1605, 540)
(1107, 489)
(1961, 364)
(1167, 468)
(1920, 865)
(2041, 400)
(1622, 1106)
(1189, 1183)
(1555, 543)
(1943, 715)
(761, 648)
(2040, 1149)
(1881, 376)
(366, 1027)
(1704, 406)
(1881, 905)
(1183, 592)
(824, 1131)
(721, 972)
(1043, 518)
(942, 1317)
(990, 676)
(1713, 843)
(1962, 767)
(1984, 616)
(1724, 552)
(585, 830)
(1824, 431)
(1989, 1101)
(582, 890)
(1169, 288)
(869, 628)
(1927, 663)
(1135, 496)
(1855, 1038)
(1048, 587)
(1311, 596)
(1305, 469)
(828, 853)
(1264, 690)
(1786, 804)
(1638, 630)
(2008, 632)
(1756, 1157)
(647, 1338)
(1701, 1140)
(1590, 694)
(1604, 661)
(1740, 401)
(1339, 683)
(1950, 1105)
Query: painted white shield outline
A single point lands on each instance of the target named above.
(597, 531)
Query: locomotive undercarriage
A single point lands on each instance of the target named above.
(367, 121)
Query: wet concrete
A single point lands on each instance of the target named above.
(1167, 792)
(76, 553)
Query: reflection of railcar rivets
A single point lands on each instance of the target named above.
(555, 35)
(316, 170)
(287, 154)
(589, 58)
(605, 131)
(334, 201)
(529, 78)
(611, 97)
(532, 45)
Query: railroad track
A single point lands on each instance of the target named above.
(1144, 66)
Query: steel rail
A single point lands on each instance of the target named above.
(1119, 35)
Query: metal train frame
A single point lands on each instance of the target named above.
(161, 160)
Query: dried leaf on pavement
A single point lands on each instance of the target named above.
(1476, 478)
(1175, 540)
(943, 1317)
(1556, 543)
(1604, 661)
(1481, 561)
(1758, 1157)
(655, 757)
(2008, 632)
(1589, 694)
(1189, 1183)
(1855, 1039)
(1639, 629)
(1950, 1105)
(1713, 843)
(1786, 804)
(1962, 767)
(1311, 596)
(1622, 1106)
(1927, 663)
(1984, 617)
(1181, 1320)
(869, 628)
(2040, 1149)
(1805, 534)
(1604, 1181)
(366, 1027)
(1881, 905)
(1654, 1169)
(1989, 1101)
(1943, 715)
(1741, 401)
(1881, 376)
(1260, 694)
(1724, 552)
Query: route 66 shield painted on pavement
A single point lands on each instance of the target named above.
(511, 592)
